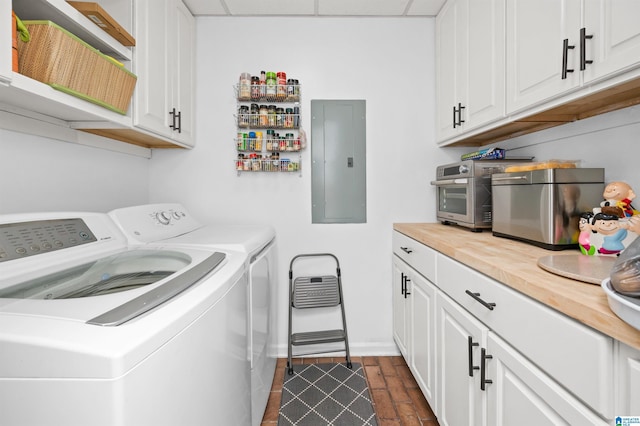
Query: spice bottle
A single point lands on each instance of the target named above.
(264, 119)
(244, 87)
(271, 85)
(281, 91)
(263, 84)
(254, 119)
(255, 88)
(272, 116)
(243, 116)
(280, 117)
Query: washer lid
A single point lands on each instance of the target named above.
(112, 274)
(112, 289)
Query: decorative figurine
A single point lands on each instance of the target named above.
(606, 230)
(620, 195)
(584, 239)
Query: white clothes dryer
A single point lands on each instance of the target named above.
(96, 331)
(171, 225)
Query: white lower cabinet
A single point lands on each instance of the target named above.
(628, 396)
(518, 393)
(413, 324)
(460, 338)
(400, 305)
(485, 354)
(422, 337)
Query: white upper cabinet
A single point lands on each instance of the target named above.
(541, 43)
(164, 62)
(470, 65)
(611, 37)
(579, 43)
(511, 67)
(38, 99)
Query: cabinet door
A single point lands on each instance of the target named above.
(521, 394)
(423, 335)
(535, 34)
(485, 63)
(615, 45)
(470, 61)
(400, 323)
(460, 337)
(184, 66)
(628, 402)
(451, 56)
(153, 30)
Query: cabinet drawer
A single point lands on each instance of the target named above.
(578, 357)
(420, 257)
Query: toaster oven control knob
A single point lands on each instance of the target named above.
(163, 217)
(463, 169)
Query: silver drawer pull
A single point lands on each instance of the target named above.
(476, 297)
(406, 250)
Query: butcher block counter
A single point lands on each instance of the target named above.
(515, 264)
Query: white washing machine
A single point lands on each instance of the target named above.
(171, 225)
(94, 331)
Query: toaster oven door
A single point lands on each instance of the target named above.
(455, 201)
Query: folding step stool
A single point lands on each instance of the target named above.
(316, 292)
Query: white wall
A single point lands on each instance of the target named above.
(42, 174)
(611, 141)
(388, 63)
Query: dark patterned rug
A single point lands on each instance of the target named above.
(326, 394)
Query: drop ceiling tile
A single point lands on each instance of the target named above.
(271, 7)
(425, 7)
(205, 7)
(362, 7)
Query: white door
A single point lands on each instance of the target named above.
(521, 394)
(153, 32)
(451, 54)
(183, 79)
(399, 298)
(485, 87)
(535, 36)
(460, 339)
(628, 403)
(423, 336)
(615, 42)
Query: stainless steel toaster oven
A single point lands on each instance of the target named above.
(463, 192)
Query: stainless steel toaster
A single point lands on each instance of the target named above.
(543, 207)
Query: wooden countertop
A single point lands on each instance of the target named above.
(515, 264)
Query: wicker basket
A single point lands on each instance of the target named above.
(60, 59)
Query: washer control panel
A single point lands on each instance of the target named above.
(23, 239)
(164, 217)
